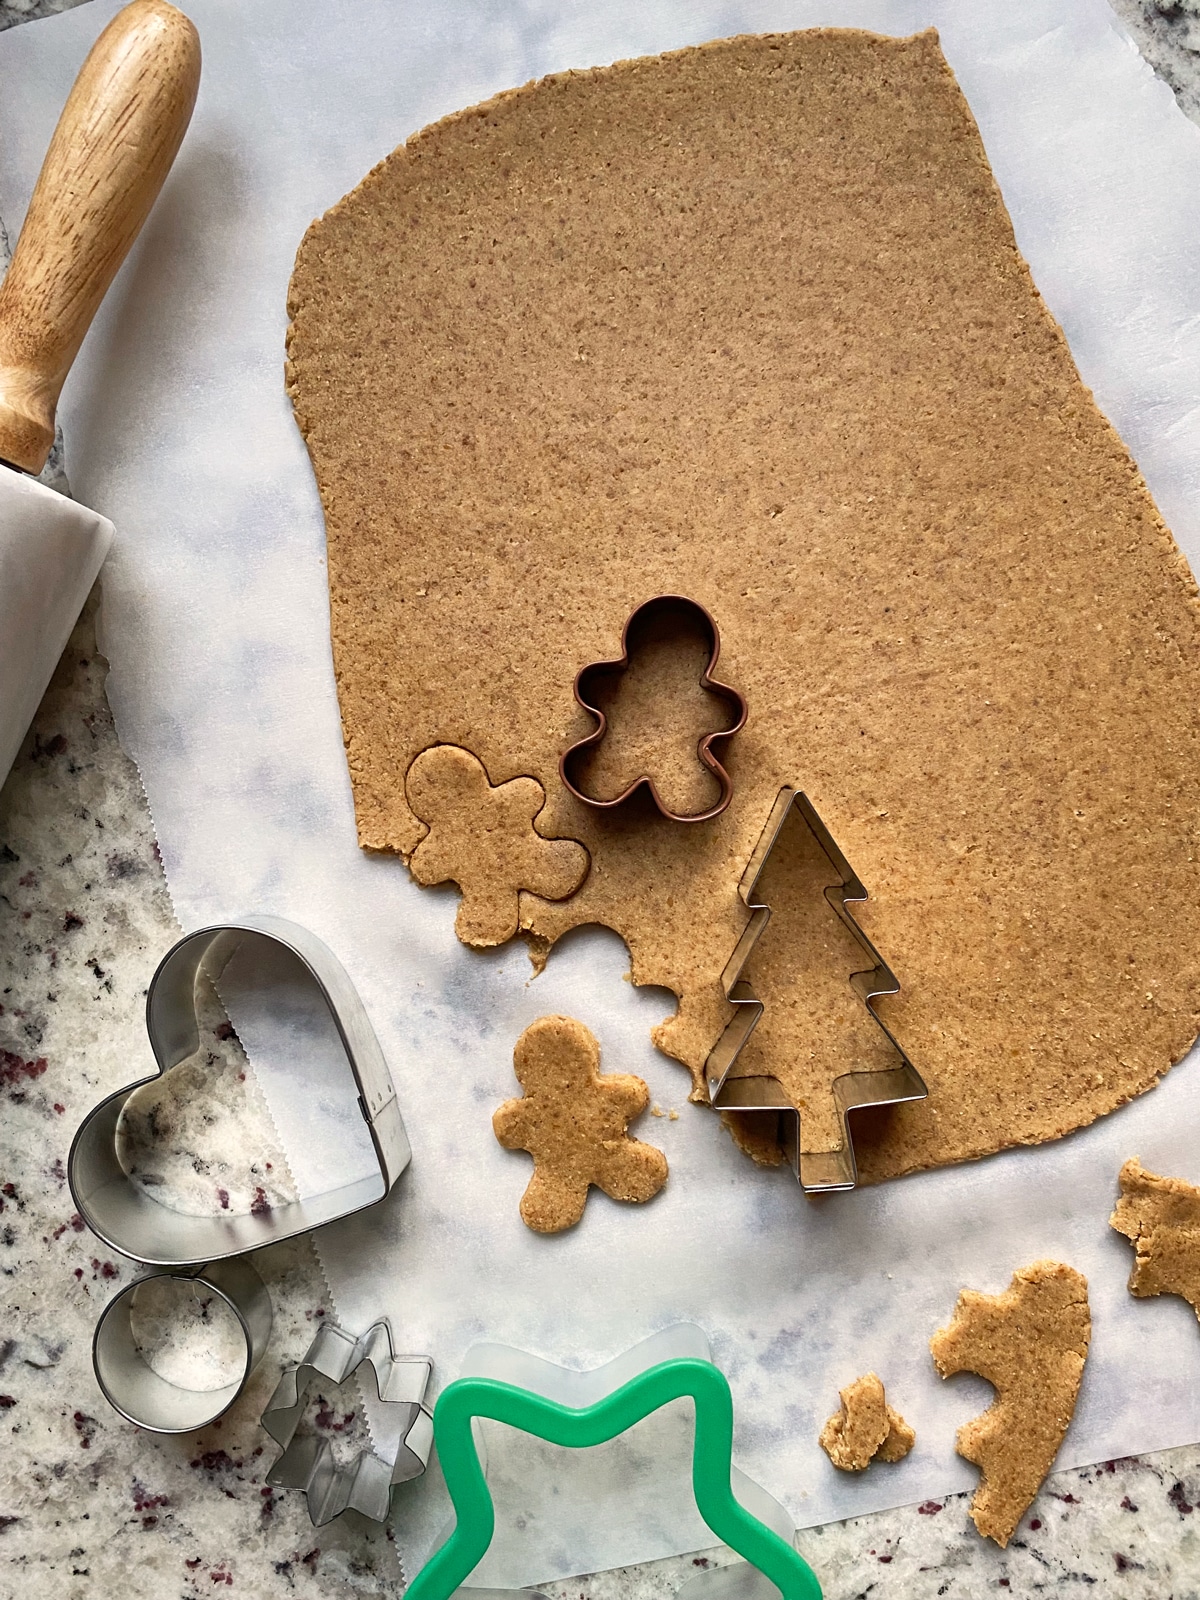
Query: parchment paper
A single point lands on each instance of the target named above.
(216, 625)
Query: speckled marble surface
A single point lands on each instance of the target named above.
(85, 1500)
(87, 1504)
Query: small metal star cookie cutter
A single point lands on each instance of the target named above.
(823, 1171)
(121, 1213)
(139, 1393)
(589, 677)
(364, 1484)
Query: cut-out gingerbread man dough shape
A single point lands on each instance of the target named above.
(484, 839)
(573, 1120)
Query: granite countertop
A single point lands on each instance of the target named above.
(87, 1503)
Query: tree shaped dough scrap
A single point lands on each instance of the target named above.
(486, 841)
(866, 1428)
(1030, 1343)
(572, 1120)
(1162, 1218)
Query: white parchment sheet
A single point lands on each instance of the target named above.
(216, 625)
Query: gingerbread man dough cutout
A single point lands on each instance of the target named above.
(572, 1119)
(484, 839)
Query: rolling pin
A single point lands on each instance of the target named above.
(119, 132)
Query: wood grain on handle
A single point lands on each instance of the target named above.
(115, 141)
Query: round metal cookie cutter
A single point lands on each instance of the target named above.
(141, 1395)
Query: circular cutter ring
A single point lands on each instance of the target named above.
(145, 1398)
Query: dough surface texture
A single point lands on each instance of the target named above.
(748, 323)
(1030, 1343)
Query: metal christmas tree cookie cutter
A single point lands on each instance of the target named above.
(141, 1395)
(365, 1483)
(122, 1214)
(589, 678)
(823, 1171)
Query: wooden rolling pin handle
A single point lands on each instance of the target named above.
(116, 139)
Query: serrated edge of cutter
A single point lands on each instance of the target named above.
(825, 1171)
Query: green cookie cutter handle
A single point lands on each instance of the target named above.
(578, 1428)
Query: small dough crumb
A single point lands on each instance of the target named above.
(1030, 1343)
(899, 1441)
(1162, 1218)
(866, 1428)
(572, 1120)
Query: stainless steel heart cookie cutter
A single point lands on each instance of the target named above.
(151, 1401)
(121, 1213)
(365, 1483)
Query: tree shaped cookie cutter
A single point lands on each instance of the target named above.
(579, 1409)
(588, 679)
(365, 1483)
(823, 1171)
(121, 1213)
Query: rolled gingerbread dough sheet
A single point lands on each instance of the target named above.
(747, 322)
(216, 608)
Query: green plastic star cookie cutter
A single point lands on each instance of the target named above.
(579, 1409)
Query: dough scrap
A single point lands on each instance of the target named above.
(866, 1428)
(573, 1122)
(486, 840)
(1162, 1218)
(899, 1440)
(1030, 1343)
(748, 323)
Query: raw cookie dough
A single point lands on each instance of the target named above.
(1162, 1218)
(1030, 1343)
(748, 323)
(866, 1428)
(485, 838)
(572, 1120)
